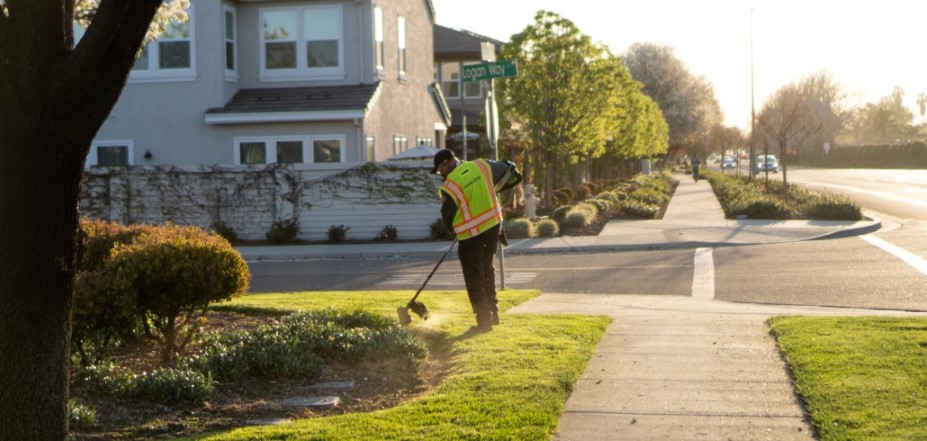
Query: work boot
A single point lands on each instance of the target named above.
(495, 318)
(484, 321)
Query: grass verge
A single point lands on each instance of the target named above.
(861, 378)
(511, 383)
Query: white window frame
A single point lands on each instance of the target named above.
(450, 81)
(154, 74)
(379, 40)
(270, 143)
(92, 157)
(302, 71)
(230, 74)
(401, 52)
(400, 144)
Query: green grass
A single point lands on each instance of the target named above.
(862, 378)
(511, 383)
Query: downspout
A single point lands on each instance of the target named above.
(360, 41)
(361, 145)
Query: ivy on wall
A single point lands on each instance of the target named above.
(248, 199)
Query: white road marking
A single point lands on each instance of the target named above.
(918, 262)
(703, 278)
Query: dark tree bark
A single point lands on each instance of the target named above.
(53, 99)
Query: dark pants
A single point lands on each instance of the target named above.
(476, 256)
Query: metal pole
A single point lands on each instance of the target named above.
(752, 105)
(463, 113)
(495, 157)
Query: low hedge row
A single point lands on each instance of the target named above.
(740, 196)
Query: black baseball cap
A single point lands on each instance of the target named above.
(440, 157)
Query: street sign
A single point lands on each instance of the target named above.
(490, 70)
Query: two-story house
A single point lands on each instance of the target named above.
(318, 84)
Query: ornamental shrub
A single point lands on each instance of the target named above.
(560, 212)
(634, 209)
(283, 231)
(163, 385)
(519, 228)
(337, 233)
(103, 308)
(174, 273)
(578, 218)
(548, 228)
(389, 233)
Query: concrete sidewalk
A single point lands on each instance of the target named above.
(674, 368)
(693, 219)
(668, 367)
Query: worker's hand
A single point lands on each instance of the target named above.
(502, 239)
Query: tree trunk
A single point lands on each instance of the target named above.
(53, 99)
(38, 221)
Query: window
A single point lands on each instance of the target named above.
(326, 150)
(400, 144)
(110, 154)
(302, 42)
(401, 25)
(290, 150)
(473, 89)
(230, 43)
(450, 79)
(422, 140)
(170, 57)
(371, 148)
(378, 37)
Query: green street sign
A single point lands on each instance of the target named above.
(488, 71)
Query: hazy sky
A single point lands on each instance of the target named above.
(868, 47)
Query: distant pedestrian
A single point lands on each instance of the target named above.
(471, 210)
(695, 166)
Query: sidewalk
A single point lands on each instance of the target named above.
(669, 367)
(693, 219)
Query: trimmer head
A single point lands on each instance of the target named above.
(419, 309)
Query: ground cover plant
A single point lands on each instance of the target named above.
(861, 378)
(511, 383)
(758, 199)
(468, 381)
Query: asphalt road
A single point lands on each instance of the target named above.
(883, 270)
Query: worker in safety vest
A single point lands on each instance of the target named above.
(472, 211)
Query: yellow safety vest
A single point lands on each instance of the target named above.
(470, 185)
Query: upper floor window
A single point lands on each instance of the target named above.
(171, 56)
(422, 140)
(231, 67)
(450, 82)
(401, 25)
(302, 42)
(378, 37)
(113, 153)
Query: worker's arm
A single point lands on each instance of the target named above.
(448, 211)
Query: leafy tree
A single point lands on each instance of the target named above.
(887, 120)
(688, 102)
(55, 97)
(569, 98)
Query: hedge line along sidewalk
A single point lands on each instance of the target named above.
(511, 383)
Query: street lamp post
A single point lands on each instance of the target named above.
(752, 104)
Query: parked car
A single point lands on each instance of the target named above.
(766, 163)
(728, 162)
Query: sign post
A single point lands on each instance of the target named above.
(489, 70)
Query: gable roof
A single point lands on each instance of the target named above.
(287, 104)
(453, 44)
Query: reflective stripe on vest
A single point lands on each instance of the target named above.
(477, 207)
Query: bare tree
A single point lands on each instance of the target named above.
(786, 120)
(55, 97)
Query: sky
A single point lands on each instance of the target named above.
(866, 47)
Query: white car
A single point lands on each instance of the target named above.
(766, 163)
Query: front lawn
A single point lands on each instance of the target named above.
(511, 383)
(861, 378)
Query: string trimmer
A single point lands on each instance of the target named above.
(419, 308)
